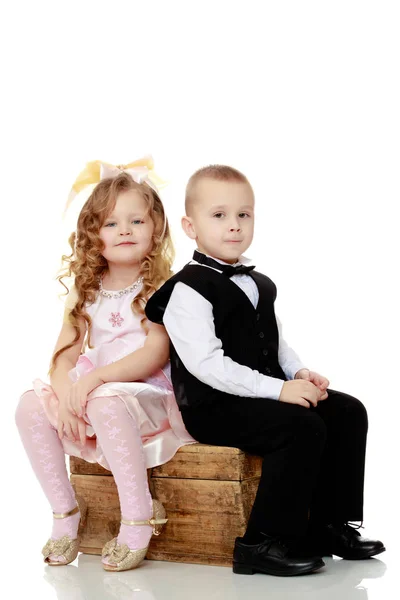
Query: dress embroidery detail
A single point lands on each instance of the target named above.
(116, 319)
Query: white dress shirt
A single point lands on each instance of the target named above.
(189, 321)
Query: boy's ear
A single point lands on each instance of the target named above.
(188, 227)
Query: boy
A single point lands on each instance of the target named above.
(238, 384)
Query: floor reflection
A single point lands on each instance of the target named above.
(339, 580)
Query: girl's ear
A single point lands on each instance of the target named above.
(188, 227)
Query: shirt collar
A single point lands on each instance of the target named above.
(243, 260)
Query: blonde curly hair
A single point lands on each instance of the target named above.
(87, 265)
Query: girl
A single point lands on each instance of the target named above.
(114, 402)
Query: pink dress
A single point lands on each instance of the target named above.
(116, 332)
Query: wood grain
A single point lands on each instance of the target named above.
(206, 509)
(195, 461)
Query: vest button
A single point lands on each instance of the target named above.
(261, 334)
(265, 352)
(267, 370)
(257, 316)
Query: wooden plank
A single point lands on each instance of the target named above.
(198, 496)
(221, 466)
(196, 461)
(78, 466)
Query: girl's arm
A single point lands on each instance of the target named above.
(143, 362)
(59, 378)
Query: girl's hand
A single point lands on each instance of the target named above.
(319, 381)
(70, 426)
(77, 396)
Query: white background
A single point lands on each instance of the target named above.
(303, 97)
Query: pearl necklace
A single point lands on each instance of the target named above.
(119, 293)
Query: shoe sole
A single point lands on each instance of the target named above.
(241, 569)
(369, 554)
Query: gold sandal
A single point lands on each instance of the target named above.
(122, 557)
(64, 546)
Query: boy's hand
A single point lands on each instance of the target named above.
(79, 391)
(300, 392)
(321, 382)
(70, 426)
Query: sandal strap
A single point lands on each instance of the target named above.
(148, 522)
(67, 514)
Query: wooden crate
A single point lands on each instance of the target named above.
(207, 491)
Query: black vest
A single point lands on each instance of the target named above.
(249, 335)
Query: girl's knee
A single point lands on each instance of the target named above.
(27, 404)
(92, 407)
(103, 406)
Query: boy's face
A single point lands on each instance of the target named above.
(221, 218)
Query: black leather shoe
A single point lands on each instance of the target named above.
(271, 557)
(346, 542)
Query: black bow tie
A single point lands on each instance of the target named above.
(227, 270)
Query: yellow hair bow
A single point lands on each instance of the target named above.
(140, 170)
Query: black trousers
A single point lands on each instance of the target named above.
(313, 459)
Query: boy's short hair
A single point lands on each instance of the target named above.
(218, 172)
